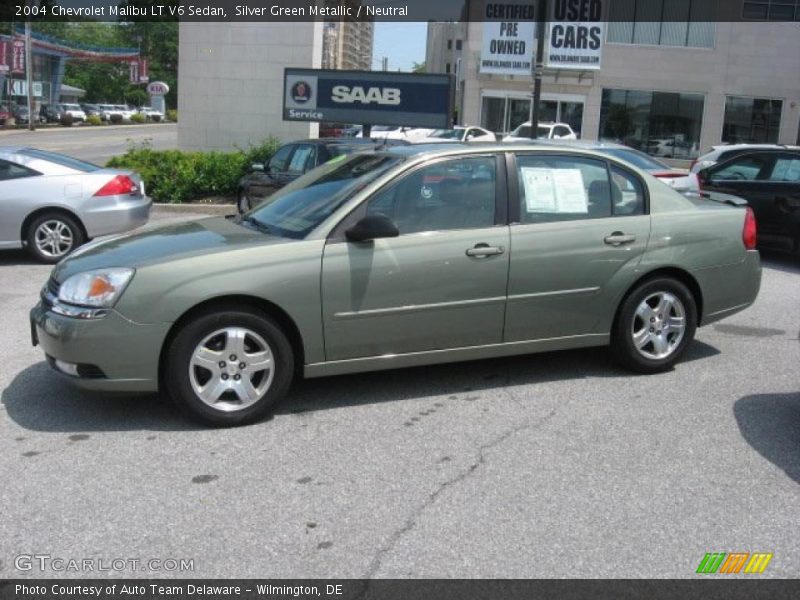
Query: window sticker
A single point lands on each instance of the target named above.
(554, 190)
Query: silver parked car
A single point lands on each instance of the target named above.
(52, 203)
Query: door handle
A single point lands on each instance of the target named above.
(483, 250)
(618, 238)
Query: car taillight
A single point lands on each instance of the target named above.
(749, 229)
(121, 184)
(669, 174)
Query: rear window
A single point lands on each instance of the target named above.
(60, 159)
(636, 158)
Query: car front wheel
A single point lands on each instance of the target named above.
(52, 236)
(229, 367)
(655, 325)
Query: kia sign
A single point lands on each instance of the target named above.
(157, 88)
(369, 97)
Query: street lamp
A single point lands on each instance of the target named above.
(538, 70)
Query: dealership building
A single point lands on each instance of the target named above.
(728, 72)
(671, 88)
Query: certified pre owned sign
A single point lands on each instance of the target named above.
(377, 98)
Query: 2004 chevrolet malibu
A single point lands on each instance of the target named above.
(413, 256)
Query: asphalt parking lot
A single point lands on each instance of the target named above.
(551, 465)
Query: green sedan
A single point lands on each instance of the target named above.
(413, 256)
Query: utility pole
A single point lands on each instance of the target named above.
(385, 63)
(29, 75)
(538, 72)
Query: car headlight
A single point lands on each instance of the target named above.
(100, 288)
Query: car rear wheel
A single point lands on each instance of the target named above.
(655, 325)
(52, 236)
(229, 367)
(243, 202)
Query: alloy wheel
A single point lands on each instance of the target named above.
(658, 325)
(53, 238)
(231, 369)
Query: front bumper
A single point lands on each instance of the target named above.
(111, 353)
(116, 214)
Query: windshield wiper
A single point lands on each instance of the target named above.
(256, 223)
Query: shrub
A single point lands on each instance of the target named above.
(116, 118)
(176, 176)
(138, 118)
(94, 120)
(172, 115)
(66, 120)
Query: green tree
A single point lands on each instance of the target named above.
(418, 67)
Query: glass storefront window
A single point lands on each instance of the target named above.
(665, 124)
(502, 115)
(751, 120)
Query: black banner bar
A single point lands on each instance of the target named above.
(718, 588)
(389, 10)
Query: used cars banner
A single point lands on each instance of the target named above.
(576, 34)
(374, 97)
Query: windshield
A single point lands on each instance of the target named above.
(60, 159)
(525, 131)
(302, 205)
(448, 134)
(385, 128)
(636, 158)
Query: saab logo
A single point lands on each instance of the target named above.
(728, 563)
(301, 92)
(386, 96)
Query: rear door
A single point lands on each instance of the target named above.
(579, 228)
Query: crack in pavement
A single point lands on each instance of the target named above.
(412, 520)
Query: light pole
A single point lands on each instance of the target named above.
(538, 71)
(29, 74)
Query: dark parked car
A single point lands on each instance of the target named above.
(92, 109)
(290, 162)
(5, 115)
(769, 179)
(50, 113)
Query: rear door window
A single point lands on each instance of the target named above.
(786, 169)
(750, 167)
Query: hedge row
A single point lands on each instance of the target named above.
(176, 176)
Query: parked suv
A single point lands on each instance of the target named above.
(725, 152)
(769, 179)
(73, 110)
(546, 131)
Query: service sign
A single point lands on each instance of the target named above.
(508, 38)
(576, 34)
(369, 97)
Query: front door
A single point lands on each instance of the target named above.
(440, 284)
(581, 228)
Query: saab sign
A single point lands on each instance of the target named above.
(373, 97)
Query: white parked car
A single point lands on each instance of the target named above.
(73, 110)
(117, 109)
(546, 131)
(459, 133)
(396, 132)
(150, 112)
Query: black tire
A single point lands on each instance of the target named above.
(243, 202)
(623, 346)
(178, 380)
(58, 221)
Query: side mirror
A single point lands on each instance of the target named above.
(372, 227)
(703, 177)
(257, 167)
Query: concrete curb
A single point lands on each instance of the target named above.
(207, 209)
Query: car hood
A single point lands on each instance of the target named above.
(164, 244)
